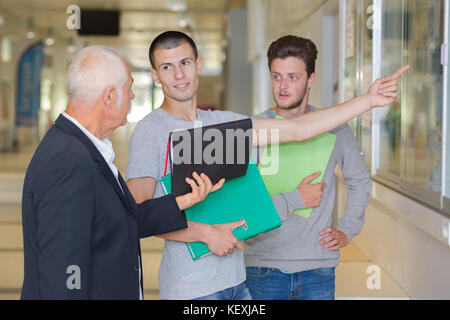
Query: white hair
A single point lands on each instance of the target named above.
(92, 70)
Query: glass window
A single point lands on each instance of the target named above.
(409, 135)
(411, 128)
(365, 78)
(358, 66)
(392, 59)
(350, 49)
(423, 93)
(446, 131)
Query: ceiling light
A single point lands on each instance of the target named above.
(183, 20)
(30, 34)
(182, 23)
(6, 50)
(49, 41)
(71, 47)
(176, 5)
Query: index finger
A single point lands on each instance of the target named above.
(399, 72)
(193, 185)
(325, 231)
(234, 225)
(312, 177)
(206, 180)
(240, 245)
(200, 181)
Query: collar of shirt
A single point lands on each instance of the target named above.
(104, 147)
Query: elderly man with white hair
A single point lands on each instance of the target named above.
(81, 225)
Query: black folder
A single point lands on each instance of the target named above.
(219, 151)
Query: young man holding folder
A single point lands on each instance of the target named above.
(176, 67)
(298, 260)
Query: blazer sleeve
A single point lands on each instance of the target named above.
(159, 215)
(64, 207)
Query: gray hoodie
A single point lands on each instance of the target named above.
(295, 245)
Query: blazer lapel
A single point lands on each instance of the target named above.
(69, 127)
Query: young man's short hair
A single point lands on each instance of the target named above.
(293, 46)
(170, 40)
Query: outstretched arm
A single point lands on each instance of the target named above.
(381, 93)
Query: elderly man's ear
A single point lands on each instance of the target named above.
(154, 76)
(110, 97)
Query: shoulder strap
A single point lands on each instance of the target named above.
(167, 155)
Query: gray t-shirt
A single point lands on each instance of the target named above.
(180, 277)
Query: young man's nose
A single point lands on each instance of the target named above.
(284, 84)
(179, 73)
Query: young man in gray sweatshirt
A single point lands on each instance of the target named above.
(298, 260)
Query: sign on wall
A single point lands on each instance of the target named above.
(29, 86)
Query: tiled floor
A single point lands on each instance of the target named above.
(351, 274)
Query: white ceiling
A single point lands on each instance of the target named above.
(140, 22)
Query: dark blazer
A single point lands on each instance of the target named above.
(81, 232)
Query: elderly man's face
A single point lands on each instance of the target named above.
(127, 95)
(177, 71)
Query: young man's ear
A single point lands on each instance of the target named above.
(312, 78)
(154, 75)
(110, 96)
(199, 65)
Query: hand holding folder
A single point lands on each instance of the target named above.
(297, 160)
(201, 186)
(223, 241)
(241, 198)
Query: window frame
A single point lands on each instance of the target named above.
(445, 174)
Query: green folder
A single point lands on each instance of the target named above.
(297, 160)
(241, 198)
